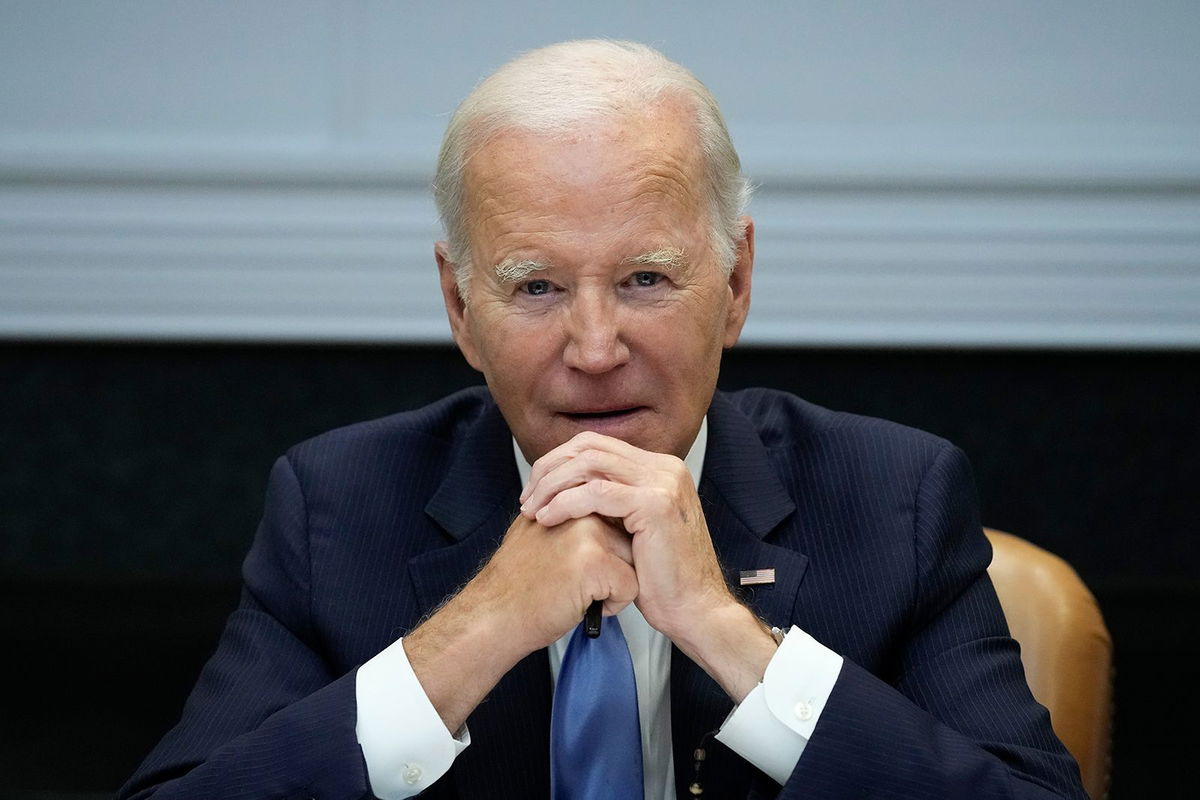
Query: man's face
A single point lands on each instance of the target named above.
(608, 311)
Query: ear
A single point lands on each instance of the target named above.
(456, 307)
(739, 285)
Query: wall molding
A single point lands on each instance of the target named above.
(1063, 157)
(1057, 237)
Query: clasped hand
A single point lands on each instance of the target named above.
(650, 501)
(600, 520)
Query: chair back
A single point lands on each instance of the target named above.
(1065, 648)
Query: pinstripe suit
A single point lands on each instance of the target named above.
(871, 528)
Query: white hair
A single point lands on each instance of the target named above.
(553, 90)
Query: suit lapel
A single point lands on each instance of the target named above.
(474, 505)
(745, 502)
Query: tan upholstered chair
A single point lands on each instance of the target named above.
(1065, 647)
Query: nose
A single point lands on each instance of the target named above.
(594, 339)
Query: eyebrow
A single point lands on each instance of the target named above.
(512, 270)
(665, 257)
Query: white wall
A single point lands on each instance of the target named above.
(932, 173)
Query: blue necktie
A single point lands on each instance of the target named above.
(595, 741)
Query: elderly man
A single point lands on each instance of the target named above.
(412, 605)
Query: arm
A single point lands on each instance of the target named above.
(533, 590)
(958, 719)
(270, 718)
(267, 717)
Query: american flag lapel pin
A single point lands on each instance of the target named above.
(757, 577)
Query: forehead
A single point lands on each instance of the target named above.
(638, 174)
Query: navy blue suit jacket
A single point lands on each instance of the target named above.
(871, 528)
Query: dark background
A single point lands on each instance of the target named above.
(132, 476)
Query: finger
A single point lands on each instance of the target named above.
(613, 584)
(622, 588)
(586, 440)
(608, 536)
(555, 458)
(619, 543)
(607, 572)
(606, 533)
(602, 497)
(587, 465)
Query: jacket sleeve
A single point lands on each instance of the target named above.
(267, 718)
(957, 719)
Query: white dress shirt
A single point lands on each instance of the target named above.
(407, 747)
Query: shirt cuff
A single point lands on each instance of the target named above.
(404, 742)
(772, 725)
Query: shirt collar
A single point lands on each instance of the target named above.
(694, 459)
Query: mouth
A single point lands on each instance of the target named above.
(605, 414)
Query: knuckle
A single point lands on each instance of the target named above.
(586, 530)
(586, 439)
(590, 458)
(661, 497)
(680, 474)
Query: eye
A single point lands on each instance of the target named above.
(536, 287)
(645, 278)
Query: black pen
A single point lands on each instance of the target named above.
(591, 619)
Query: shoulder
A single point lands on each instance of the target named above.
(419, 437)
(443, 420)
(835, 447)
(786, 421)
(897, 498)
